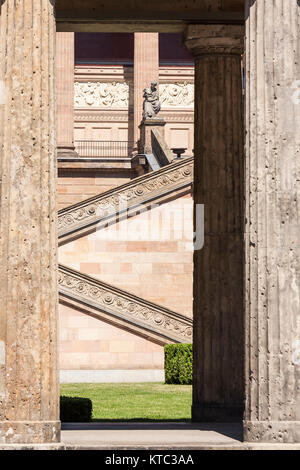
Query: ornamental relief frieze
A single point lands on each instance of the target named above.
(110, 95)
(123, 303)
(101, 95)
(176, 95)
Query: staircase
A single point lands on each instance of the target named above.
(104, 301)
(159, 186)
(122, 309)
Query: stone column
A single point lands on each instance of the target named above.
(146, 69)
(272, 280)
(65, 94)
(29, 395)
(218, 184)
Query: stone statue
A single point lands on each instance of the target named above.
(151, 104)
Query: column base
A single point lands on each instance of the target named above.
(67, 152)
(271, 431)
(29, 432)
(211, 412)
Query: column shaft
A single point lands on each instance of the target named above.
(272, 280)
(218, 184)
(65, 93)
(29, 396)
(146, 69)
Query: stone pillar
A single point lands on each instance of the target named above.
(65, 94)
(29, 395)
(146, 128)
(272, 280)
(218, 184)
(146, 69)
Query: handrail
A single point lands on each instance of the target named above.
(104, 148)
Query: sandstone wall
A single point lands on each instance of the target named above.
(157, 270)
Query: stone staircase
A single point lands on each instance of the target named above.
(111, 206)
(104, 301)
(122, 309)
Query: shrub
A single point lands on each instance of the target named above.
(179, 364)
(75, 409)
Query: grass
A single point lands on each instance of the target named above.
(135, 401)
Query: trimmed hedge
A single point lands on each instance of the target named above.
(75, 409)
(179, 364)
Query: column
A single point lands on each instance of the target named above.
(65, 94)
(218, 184)
(272, 280)
(29, 395)
(146, 69)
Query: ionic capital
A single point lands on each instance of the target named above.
(215, 39)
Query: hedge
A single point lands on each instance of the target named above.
(75, 409)
(179, 364)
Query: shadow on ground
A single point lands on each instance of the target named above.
(231, 430)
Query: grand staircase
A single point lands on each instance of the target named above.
(122, 309)
(104, 301)
(109, 207)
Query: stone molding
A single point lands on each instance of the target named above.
(83, 116)
(215, 39)
(122, 115)
(108, 206)
(169, 326)
(187, 116)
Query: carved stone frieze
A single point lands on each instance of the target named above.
(122, 304)
(138, 191)
(177, 95)
(111, 95)
(101, 95)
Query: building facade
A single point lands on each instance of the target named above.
(156, 265)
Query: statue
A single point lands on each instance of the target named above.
(151, 104)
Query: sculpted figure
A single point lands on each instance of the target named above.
(151, 104)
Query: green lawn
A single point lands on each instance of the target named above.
(135, 401)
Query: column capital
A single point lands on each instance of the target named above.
(214, 39)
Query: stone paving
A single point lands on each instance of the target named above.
(159, 436)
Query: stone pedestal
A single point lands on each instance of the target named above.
(146, 127)
(65, 94)
(29, 394)
(146, 69)
(218, 184)
(272, 276)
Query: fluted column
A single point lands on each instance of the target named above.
(218, 184)
(65, 94)
(29, 406)
(272, 280)
(146, 69)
